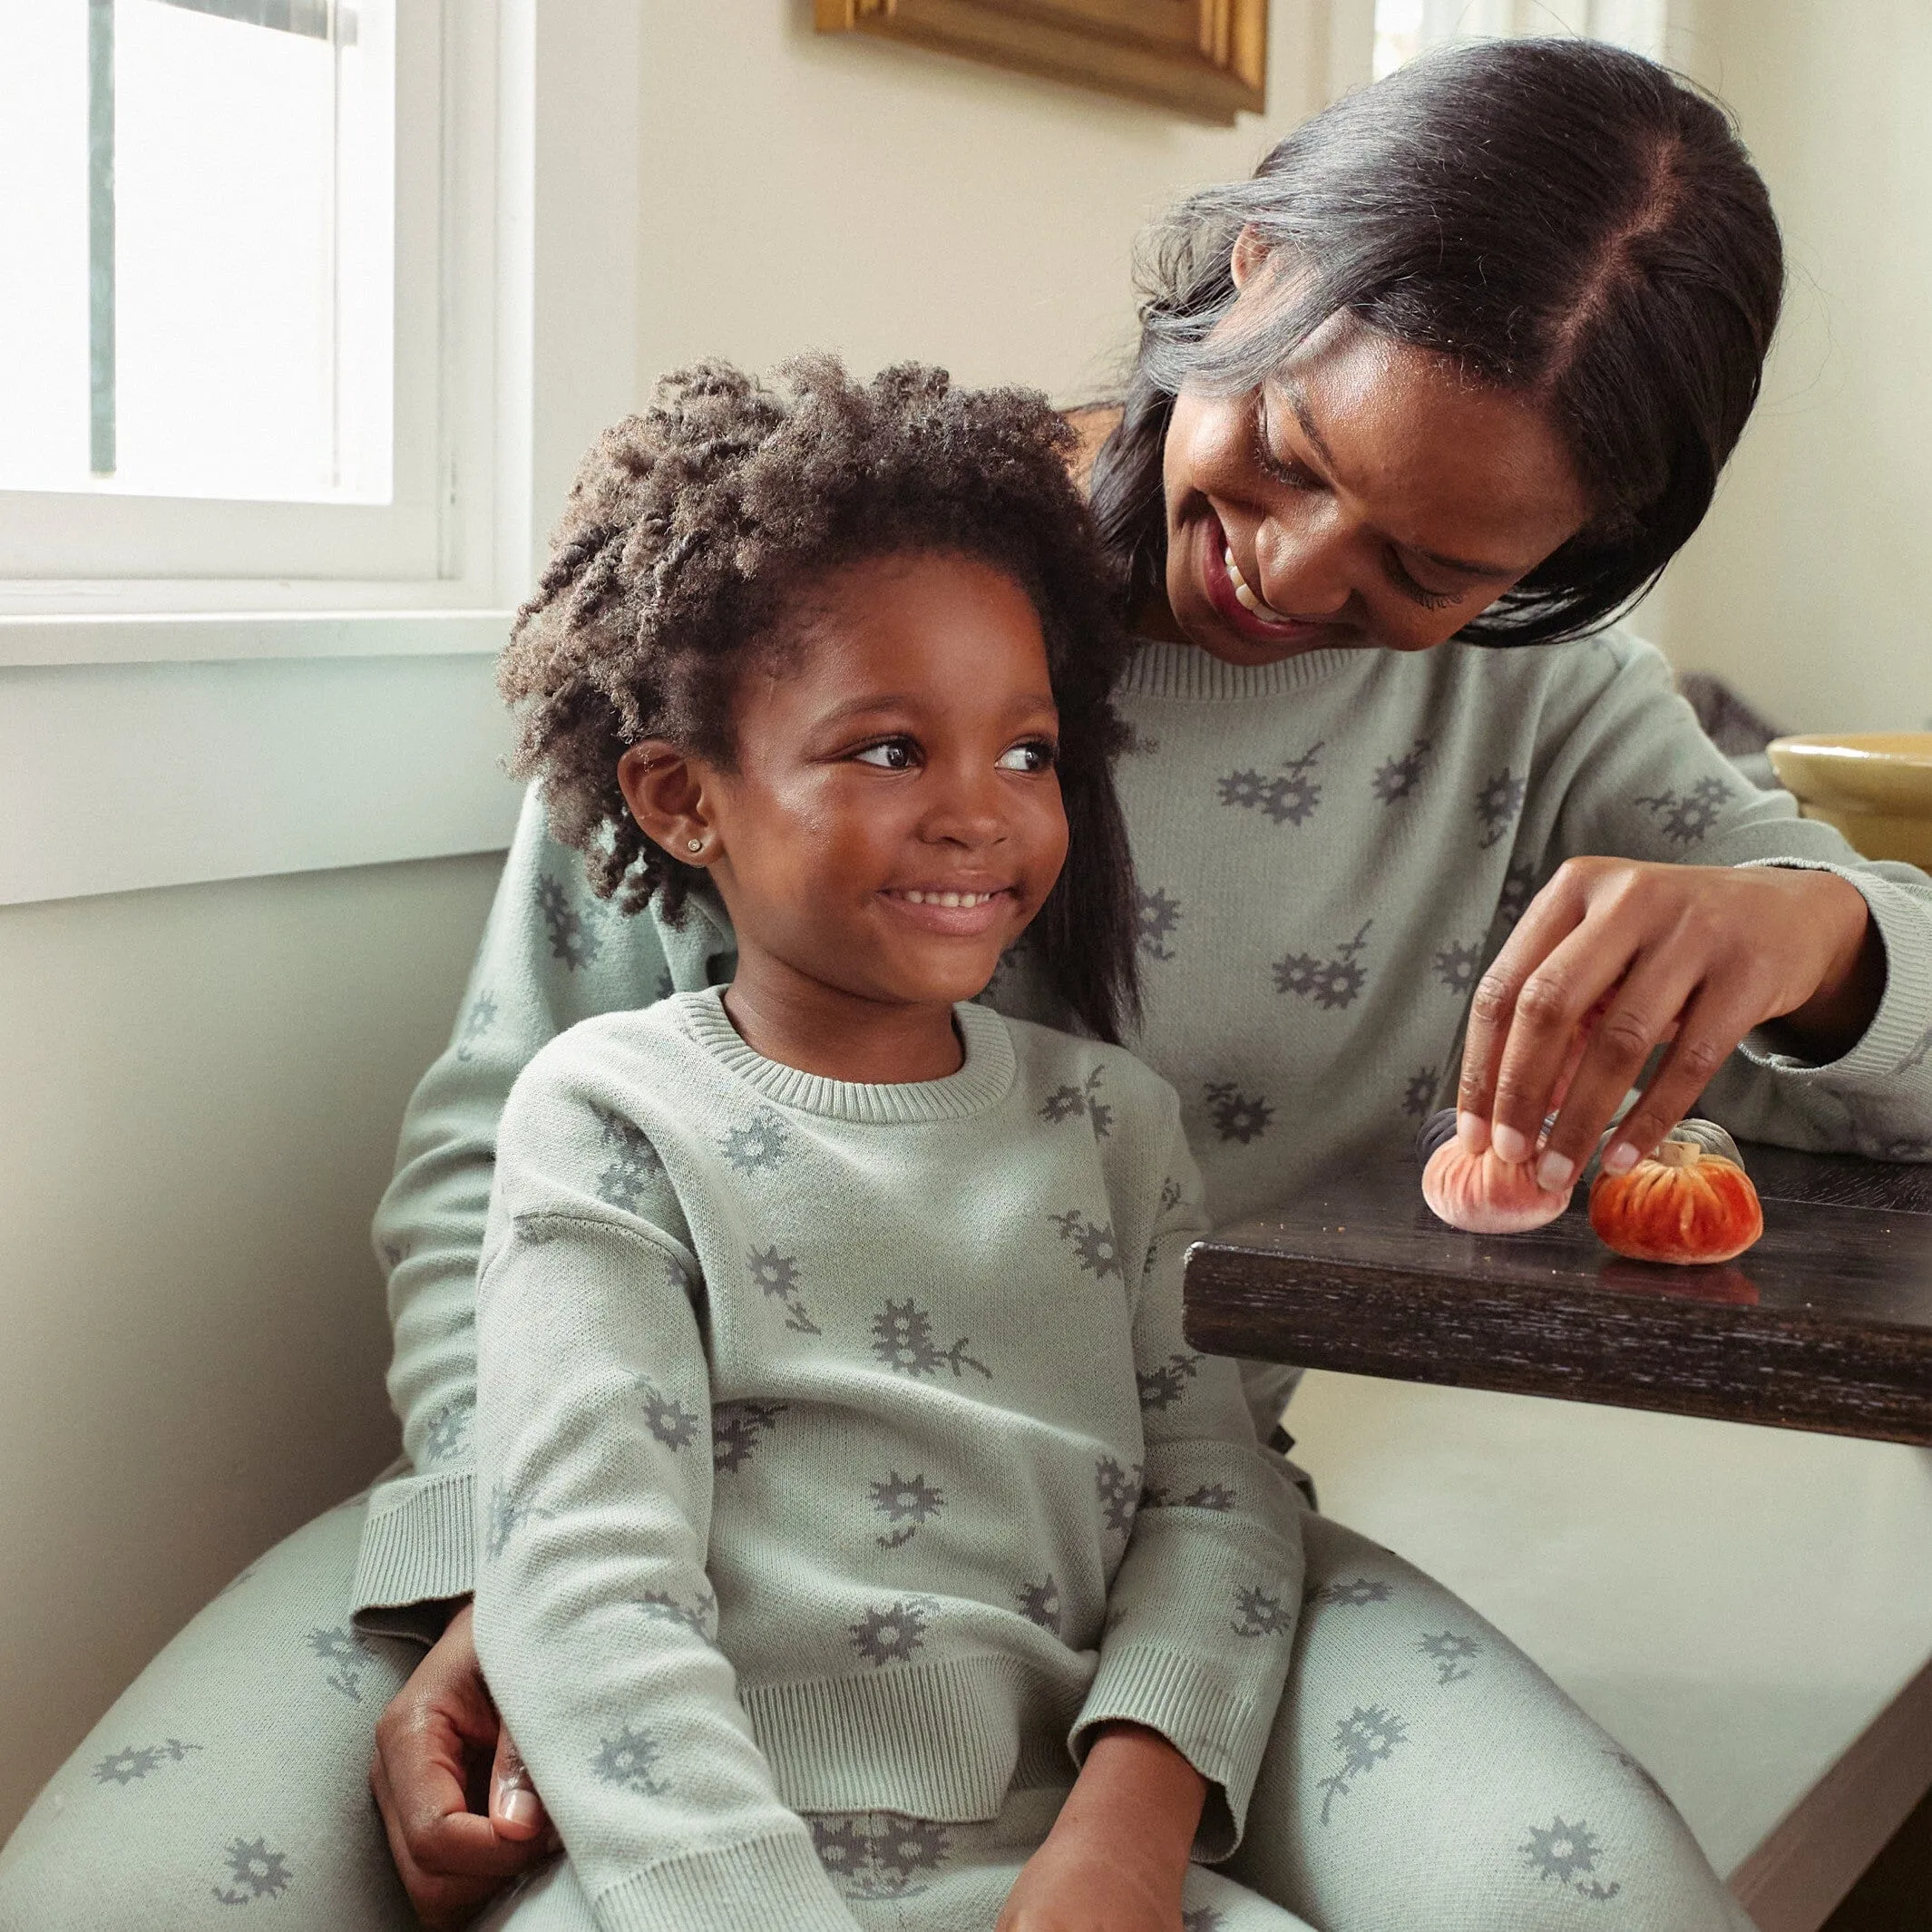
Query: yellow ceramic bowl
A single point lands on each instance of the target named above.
(1874, 786)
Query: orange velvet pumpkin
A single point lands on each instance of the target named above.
(1683, 1205)
(1485, 1196)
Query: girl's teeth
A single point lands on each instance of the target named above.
(968, 899)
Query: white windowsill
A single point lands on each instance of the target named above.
(205, 638)
(227, 748)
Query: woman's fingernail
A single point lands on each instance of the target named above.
(1554, 1171)
(1619, 1158)
(1509, 1144)
(1472, 1130)
(520, 1807)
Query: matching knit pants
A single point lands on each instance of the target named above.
(1422, 1772)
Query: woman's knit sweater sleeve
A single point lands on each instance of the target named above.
(552, 954)
(595, 1620)
(1201, 1612)
(1632, 774)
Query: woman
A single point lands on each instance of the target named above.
(1458, 369)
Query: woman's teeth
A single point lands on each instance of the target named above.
(952, 899)
(1244, 597)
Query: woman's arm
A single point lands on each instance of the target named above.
(1708, 910)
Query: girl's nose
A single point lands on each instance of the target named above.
(966, 808)
(1304, 567)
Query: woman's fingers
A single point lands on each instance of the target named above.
(1648, 1008)
(1709, 1032)
(1524, 1018)
(1701, 953)
(515, 1810)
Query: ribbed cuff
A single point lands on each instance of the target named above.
(1214, 1723)
(769, 1885)
(1898, 1028)
(418, 1542)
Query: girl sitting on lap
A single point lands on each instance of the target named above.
(861, 1540)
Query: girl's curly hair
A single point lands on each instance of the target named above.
(695, 532)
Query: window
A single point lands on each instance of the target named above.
(246, 358)
(1404, 28)
(304, 679)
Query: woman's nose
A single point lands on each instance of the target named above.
(1304, 567)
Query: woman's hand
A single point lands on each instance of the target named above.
(1698, 955)
(1117, 1856)
(434, 1744)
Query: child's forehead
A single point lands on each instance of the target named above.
(910, 629)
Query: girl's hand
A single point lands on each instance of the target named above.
(1117, 1856)
(434, 1744)
(1705, 953)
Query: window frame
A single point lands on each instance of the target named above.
(435, 546)
(180, 731)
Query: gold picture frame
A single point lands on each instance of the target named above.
(1205, 58)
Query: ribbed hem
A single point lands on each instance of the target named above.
(982, 1082)
(769, 1885)
(938, 1741)
(1905, 1011)
(418, 1542)
(1191, 1704)
(1185, 671)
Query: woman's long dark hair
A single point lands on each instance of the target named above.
(1555, 216)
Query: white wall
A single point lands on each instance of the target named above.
(1806, 586)
(805, 191)
(199, 1086)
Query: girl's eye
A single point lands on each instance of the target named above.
(893, 755)
(1036, 754)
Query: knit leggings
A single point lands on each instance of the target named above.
(1422, 1772)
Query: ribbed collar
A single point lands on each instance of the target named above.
(983, 1080)
(1160, 670)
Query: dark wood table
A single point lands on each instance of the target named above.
(1826, 1324)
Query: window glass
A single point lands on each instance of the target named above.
(1404, 28)
(197, 212)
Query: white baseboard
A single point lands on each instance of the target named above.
(1814, 1855)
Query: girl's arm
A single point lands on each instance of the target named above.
(1711, 907)
(595, 1620)
(1202, 1610)
(552, 954)
(1118, 1855)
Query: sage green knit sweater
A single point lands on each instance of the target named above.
(838, 1450)
(1329, 849)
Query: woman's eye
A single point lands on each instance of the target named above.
(1420, 593)
(1036, 754)
(893, 755)
(1285, 470)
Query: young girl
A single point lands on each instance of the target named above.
(846, 1480)
(1458, 368)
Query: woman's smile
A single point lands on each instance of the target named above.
(1241, 606)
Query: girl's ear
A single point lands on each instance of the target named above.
(666, 795)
